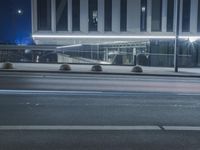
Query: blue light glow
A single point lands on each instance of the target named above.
(23, 41)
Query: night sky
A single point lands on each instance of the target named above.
(15, 28)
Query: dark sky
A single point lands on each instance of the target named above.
(15, 28)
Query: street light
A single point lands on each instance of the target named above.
(176, 48)
(19, 11)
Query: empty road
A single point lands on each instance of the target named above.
(87, 112)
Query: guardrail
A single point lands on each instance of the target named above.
(51, 54)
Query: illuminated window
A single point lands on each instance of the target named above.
(143, 24)
(93, 15)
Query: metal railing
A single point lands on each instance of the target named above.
(50, 54)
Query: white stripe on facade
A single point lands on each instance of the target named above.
(84, 16)
(149, 12)
(101, 16)
(193, 16)
(53, 15)
(116, 15)
(69, 15)
(164, 15)
(34, 16)
(175, 16)
(105, 36)
(181, 16)
(133, 16)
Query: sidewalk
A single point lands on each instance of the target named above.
(107, 69)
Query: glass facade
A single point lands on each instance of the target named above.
(93, 15)
(186, 16)
(147, 52)
(75, 15)
(123, 15)
(156, 15)
(43, 15)
(108, 15)
(143, 23)
(161, 53)
(61, 15)
(170, 15)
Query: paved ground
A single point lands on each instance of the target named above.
(99, 109)
(107, 69)
(43, 111)
(100, 140)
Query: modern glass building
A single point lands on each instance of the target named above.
(120, 31)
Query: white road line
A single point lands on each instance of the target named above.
(20, 91)
(181, 128)
(189, 94)
(21, 76)
(47, 91)
(88, 128)
(100, 128)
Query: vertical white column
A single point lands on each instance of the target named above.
(175, 15)
(130, 13)
(53, 15)
(164, 15)
(133, 15)
(84, 16)
(34, 15)
(101, 16)
(149, 13)
(116, 15)
(137, 15)
(69, 15)
(193, 16)
(181, 16)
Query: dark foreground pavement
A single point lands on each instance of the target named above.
(99, 140)
(87, 112)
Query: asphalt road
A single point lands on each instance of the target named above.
(87, 112)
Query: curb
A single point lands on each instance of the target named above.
(101, 73)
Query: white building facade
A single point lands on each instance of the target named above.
(70, 22)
